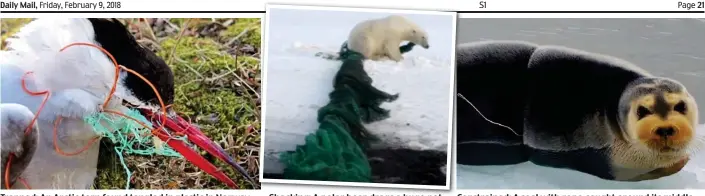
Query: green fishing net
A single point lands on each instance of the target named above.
(335, 152)
(129, 136)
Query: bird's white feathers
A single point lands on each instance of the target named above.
(15, 119)
(79, 79)
(80, 76)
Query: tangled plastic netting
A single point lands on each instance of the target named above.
(129, 130)
(336, 151)
(129, 135)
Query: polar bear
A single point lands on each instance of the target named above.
(378, 38)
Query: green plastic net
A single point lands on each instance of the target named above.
(335, 152)
(129, 136)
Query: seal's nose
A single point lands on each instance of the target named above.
(665, 131)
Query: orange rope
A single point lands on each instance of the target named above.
(56, 142)
(41, 106)
(103, 109)
(29, 128)
(24, 182)
(7, 170)
(112, 58)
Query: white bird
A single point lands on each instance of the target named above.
(79, 79)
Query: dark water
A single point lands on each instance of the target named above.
(673, 48)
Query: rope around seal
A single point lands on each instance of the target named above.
(486, 119)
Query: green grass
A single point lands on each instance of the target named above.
(217, 87)
(10, 27)
(253, 26)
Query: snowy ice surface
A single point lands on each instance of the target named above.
(298, 83)
(531, 176)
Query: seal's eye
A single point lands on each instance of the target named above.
(642, 112)
(680, 107)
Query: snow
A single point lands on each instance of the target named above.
(298, 83)
(531, 176)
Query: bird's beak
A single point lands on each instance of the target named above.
(175, 124)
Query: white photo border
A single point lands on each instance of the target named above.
(451, 108)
